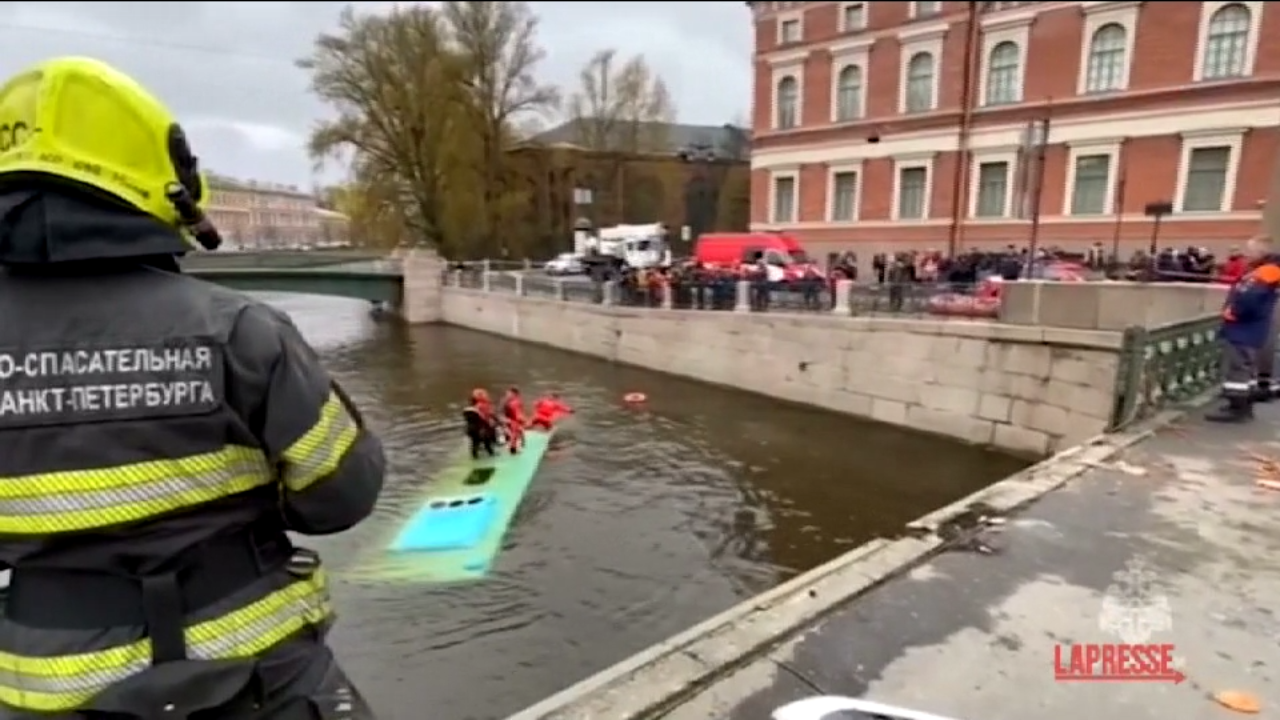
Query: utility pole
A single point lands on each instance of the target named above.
(1156, 211)
(1118, 208)
(1036, 140)
(1271, 208)
(968, 101)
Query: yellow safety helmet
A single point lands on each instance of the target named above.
(82, 120)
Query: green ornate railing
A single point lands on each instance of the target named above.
(1165, 366)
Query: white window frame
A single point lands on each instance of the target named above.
(1233, 140)
(915, 11)
(911, 43)
(982, 157)
(910, 163)
(783, 65)
(1096, 15)
(1018, 33)
(838, 168)
(842, 56)
(844, 7)
(1207, 10)
(783, 174)
(1111, 148)
(784, 18)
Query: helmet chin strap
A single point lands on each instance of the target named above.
(192, 217)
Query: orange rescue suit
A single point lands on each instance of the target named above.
(546, 411)
(513, 413)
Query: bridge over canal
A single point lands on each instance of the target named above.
(361, 275)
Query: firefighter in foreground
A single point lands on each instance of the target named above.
(159, 435)
(1246, 324)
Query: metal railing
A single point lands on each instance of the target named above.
(1159, 368)
(932, 300)
(1165, 366)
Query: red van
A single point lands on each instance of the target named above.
(732, 250)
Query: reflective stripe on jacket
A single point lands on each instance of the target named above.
(196, 413)
(1246, 313)
(75, 500)
(65, 682)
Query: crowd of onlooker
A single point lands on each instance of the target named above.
(695, 286)
(920, 273)
(1192, 264)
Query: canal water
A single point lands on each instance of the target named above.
(641, 523)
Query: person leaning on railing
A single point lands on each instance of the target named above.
(811, 287)
(901, 274)
(679, 287)
(761, 289)
(839, 272)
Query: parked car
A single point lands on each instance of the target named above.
(564, 264)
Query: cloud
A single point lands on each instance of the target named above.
(226, 68)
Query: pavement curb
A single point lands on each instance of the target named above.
(1025, 487)
(669, 671)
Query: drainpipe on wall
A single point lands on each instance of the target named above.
(1271, 206)
(968, 100)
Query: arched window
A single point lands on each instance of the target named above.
(1002, 75)
(1107, 52)
(788, 101)
(920, 83)
(1224, 44)
(849, 93)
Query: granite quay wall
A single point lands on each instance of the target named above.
(424, 280)
(1029, 390)
(1063, 363)
(1117, 306)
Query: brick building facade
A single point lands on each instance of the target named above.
(705, 195)
(896, 125)
(257, 215)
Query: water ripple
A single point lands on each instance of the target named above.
(642, 521)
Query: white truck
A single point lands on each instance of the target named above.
(637, 246)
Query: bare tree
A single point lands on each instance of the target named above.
(527, 129)
(375, 217)
(622, 107)
(404, 112)
(498, 44)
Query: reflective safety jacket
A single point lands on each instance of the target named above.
(1246, 314)
(156, 426)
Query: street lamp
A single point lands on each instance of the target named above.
(1035, 140)
(1156, 211)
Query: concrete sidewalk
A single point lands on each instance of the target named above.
(1176, 523)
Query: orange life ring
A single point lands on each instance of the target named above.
(634, 398)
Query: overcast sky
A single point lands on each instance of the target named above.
(226, 70)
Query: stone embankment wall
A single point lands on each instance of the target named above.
(1109, 306)
(422, 300)
(1029, 390)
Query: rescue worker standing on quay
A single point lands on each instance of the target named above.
(1266, 388)
(159, 435)
(1246, 324)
